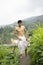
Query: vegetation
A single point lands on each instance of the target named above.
(36, 48)
(8, 58)
(5, 35)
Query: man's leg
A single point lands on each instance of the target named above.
(26, 51)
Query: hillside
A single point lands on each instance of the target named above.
(34, 19)
(30, 23)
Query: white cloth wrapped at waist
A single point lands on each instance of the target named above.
(21, 43)
(21, 40)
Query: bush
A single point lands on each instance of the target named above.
(36, 48)
(8, 58)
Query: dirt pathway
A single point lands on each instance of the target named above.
(24, 60)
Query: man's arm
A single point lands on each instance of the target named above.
(15, 33)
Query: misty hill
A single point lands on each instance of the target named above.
(34, 19)
(31, 22)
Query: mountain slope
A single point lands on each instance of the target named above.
(30, 23)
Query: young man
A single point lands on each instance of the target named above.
(21, 41)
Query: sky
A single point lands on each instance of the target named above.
(14, 10)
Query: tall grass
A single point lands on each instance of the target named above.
(8, 58)
(36, 48)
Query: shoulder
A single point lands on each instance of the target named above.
(16, 27)
(23, 26)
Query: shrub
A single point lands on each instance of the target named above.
(8, 58)
(36, 48)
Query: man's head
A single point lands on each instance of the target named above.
(19, 23)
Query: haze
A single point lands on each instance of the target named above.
(13, 10)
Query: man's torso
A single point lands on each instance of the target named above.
(20, 30)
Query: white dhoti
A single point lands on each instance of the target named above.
(22, 44)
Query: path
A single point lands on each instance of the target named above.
(24, 60)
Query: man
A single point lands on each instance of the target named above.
(21, 34)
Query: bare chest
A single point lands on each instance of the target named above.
(20, 29)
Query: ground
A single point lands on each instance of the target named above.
(24, 60)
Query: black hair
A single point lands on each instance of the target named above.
(19, 21)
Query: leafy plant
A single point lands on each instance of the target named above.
(36, 48)
(8, 58)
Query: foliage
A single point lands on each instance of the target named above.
(6, 32)
(5, 35)
(8, 58)
(36, 48)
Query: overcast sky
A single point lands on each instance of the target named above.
(13, 10)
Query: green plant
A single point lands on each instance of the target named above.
(8, 58)
(36, 48)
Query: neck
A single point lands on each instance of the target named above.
(19, 26)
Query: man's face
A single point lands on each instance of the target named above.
(19, 24)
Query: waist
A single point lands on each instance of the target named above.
(20, 34)
(22, 37)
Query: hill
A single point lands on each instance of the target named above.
(30, 23)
